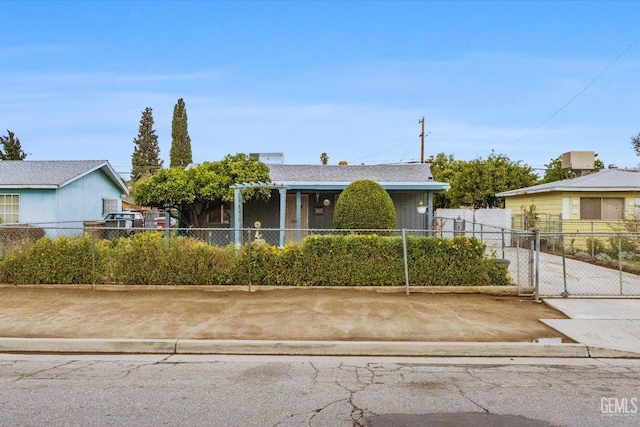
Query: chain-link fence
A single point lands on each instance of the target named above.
(540, 264)
(596, 264)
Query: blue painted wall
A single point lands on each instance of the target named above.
(71, 205)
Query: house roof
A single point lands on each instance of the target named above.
(52, 174)
(605, 180)
(410, 176)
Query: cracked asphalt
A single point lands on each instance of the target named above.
(39, 390)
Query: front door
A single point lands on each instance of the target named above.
(293, 235)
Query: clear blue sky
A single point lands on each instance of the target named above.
(348, 78)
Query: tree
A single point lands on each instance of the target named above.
(364, 205)
(554, 170)
(180, 154)
(444, 169)
(635, 143)
(146, 152)
(196, 191)
(11, 148)
(476, 182)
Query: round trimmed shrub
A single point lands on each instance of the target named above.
(364, 205)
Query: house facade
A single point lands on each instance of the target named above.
(600, 202)
(58, 193)
(303, 197)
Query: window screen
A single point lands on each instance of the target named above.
(590, 208)
(601, 208)
(109, 206)
(9, 208)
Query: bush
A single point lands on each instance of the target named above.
(146, 259)
(12, 237)
(627, 245)
(364, 205)
(63, 260)
(597, 244)
(349, 260)
(370, 260)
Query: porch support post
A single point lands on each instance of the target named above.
(237, 214)
(429, 212)
(298, 214)
(283, 213)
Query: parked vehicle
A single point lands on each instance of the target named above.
(129, 221)
(161, 222)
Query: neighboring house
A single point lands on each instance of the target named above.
(598, 202)
(304, 196)
(58, 193)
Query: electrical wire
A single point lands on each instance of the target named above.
(579, 93)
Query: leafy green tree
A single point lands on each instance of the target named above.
(444, 169)
(146, 152)
(554, 170)
(197, 190)
(11, 148)
(364, 204)
(475, 183)
(180, 155)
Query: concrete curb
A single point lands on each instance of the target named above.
(304, 348)
(487, 290)
(86, 345)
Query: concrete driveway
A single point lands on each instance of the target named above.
(604, 323)
(583, 278)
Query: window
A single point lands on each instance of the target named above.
(109, 206)
(9, 208)
(601, 208)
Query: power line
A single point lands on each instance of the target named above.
(579, 93)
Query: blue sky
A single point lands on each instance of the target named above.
(348, 78)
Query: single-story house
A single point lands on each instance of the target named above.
(58, 193)
(303, 197)
(597, 202)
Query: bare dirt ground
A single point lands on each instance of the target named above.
(290, 314)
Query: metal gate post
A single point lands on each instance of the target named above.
(620, 261)
(536, 289)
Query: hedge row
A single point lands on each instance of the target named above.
(347, 260)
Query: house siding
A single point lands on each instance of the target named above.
(405, 203)
(81, 200)
(551, 204)
(69, 206)
(36, 206)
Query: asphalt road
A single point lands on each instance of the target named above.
(40, 390)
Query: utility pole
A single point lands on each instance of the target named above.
(422, 140)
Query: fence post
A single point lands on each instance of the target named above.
(620, 261)
(564, 293)
(593, 238)
(93, 255)
(503, 243)
(406, 259)
(536, 289)
(249, 256)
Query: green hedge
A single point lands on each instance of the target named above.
(349, 260)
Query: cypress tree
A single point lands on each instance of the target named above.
(11, 148)
(180, 154)
(146, 152)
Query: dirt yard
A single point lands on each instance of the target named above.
(290, 314)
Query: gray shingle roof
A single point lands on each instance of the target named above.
(412, 175)
(51, 173)
(605, 180)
